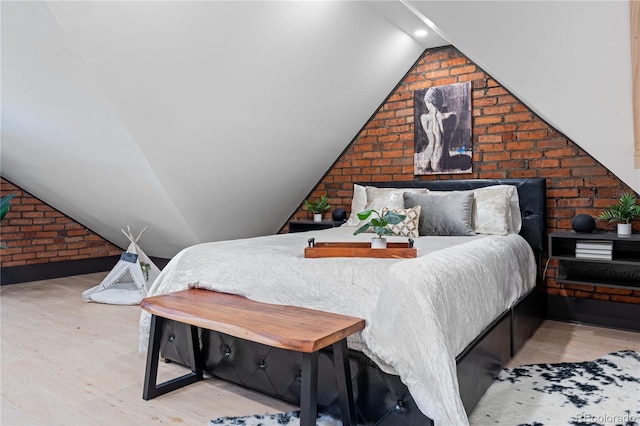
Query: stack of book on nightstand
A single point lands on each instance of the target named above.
(594, 249)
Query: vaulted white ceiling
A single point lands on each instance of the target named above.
(211, 120)
(568, 61)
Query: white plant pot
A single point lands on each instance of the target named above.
(317, 217)
(378, 243)
(624, 229)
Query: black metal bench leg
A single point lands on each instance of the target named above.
(309, 391)
(343, 378)
(151, 388)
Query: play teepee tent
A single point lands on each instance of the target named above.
(127, 282)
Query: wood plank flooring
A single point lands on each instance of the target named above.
(67, 362)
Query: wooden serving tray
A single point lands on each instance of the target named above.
(393, 250)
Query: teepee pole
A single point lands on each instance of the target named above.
(140, 234)
(129, 235)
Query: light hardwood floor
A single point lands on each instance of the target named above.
(67, 362)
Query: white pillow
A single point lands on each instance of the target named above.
(379, 198)
(358, 203)
(361, 199)
(389, 198)
(516, 216)
(491, 212)
(497, 210)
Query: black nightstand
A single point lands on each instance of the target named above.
(621, 269)
(310, 225)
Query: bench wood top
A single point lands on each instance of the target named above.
(280, 326)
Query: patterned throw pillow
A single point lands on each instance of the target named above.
(409, 226)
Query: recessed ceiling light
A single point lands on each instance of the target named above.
(420, 33)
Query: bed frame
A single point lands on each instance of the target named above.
(381, 398)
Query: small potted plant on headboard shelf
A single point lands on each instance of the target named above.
(623, 213)
(317, 207)
(379, 225)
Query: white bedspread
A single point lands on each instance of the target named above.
(420, 313)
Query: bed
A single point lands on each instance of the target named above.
(439, 327)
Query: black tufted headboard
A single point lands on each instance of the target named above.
(531, 192)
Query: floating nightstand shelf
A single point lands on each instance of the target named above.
(310, 225)
(620, 270)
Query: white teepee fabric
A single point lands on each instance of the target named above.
(127, 282)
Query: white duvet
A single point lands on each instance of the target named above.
(420, 313)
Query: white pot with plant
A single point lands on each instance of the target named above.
(317, 207)
(622, 213)
(379, 225)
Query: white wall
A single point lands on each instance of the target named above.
(569, 61)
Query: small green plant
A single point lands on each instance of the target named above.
(379, 223)
(625, 211)
(5, 205)
(319, 206)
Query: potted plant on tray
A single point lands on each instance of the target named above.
(622, 213)
(379, 225)
(317, 207)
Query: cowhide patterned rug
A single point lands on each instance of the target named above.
(605, 392)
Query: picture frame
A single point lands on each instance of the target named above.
(442, 130)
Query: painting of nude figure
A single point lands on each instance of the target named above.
(442, 130)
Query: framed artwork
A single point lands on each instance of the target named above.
(442, 130)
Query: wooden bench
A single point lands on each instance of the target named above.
(286, 327)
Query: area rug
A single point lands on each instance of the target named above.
(604, 392)
(292, 418)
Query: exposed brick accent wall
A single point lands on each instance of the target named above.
(509, 141)
(34, 232)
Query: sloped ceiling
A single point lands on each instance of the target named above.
(213, 120)
(203, 120)
(569, 61)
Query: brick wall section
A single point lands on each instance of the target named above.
(509, 141)
(34, 232)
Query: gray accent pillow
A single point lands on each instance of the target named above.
(448, 213)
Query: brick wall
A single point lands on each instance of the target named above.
(36, 233)
(509, 141)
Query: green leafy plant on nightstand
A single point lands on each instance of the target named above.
(622, 213)
(319, 206)
(625, 211)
